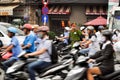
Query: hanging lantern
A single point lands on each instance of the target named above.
(63, 23)
(69, 24)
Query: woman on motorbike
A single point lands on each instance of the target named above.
(105, 56)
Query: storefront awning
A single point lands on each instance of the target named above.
(96, 10)
(98, 21)
(7, 10)
(59, 10)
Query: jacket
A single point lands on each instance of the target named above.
(106, 58)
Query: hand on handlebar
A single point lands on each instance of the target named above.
(91, 61)
(26, 55)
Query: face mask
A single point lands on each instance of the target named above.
(117, 32)
(103, 39)
(40, 35)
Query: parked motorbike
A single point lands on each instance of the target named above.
(80, 69)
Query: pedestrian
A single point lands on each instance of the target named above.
(43, 51)
(14, 47)
(29, 42)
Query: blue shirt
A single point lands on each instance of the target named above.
(16, 47)
(29, 39)
(66, 34)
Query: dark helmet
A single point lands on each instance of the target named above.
(108, 34)
(100, 27)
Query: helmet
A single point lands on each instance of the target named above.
(27, 26)
(90, 28)
(43, 28)
(67, 28)
(107, 33)
(12, 29)
(35, 26)
(82, 28)
(100, 27)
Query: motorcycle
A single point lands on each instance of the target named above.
(58, 70)
(79, 71)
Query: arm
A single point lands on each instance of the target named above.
(8, 48)
(42, 50)
(96, 55)
(39, 52)
(92, 39)
(30, 42)
(107, 52)
(26, 46)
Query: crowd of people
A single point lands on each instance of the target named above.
(97, 45)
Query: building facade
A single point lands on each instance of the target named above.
(74, 11)
(61, 12)
(7, 8)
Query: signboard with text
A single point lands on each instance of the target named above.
(45, 11)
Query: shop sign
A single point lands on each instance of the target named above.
(44, 18)
(45, 2)
(45, 10)
(5, 13)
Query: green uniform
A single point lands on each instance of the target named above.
(75, 36)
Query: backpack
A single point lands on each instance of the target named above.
(54, 55)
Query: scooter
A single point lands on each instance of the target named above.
(19, 69)
(79, 71)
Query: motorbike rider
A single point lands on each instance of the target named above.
(91, 46)
(105, 56)
(65, 36)
(37, 41)
(14, 47)
(28, 44)
(99, 35)
(43, 51)
(84, 34)
(116, 35)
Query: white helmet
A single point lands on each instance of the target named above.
(67, 28)
(43, 28)
(90, 28)
(82, 28)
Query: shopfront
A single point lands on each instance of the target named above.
(6, 12)
(59, 17)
